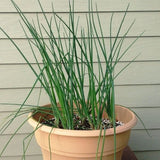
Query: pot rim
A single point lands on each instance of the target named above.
(84, 133)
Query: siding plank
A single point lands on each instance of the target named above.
(17, 144)
(140, 141)
(31, 157)
(148, 155)
(17, 96)
(14, 76)
(149, 22)
(140, 96)
(81, 5)
(149, 116)
(130, 96)
(26, 128)
(148, 47)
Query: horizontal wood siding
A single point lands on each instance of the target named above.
(148, 155)
(138, 87)
(31, 157)
(149, 48)
(139, 96)
(136, 73)
(150, 20)
(81, 5)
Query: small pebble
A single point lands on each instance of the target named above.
(84, 125)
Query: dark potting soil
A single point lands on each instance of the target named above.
(83, 124)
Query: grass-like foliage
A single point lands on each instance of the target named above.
(77, 71)
(69, 51)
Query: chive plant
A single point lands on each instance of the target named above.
(68, 61)
(77, 71)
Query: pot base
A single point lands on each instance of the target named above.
(48, 156)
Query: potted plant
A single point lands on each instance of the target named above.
(81, 120)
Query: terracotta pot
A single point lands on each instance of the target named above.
(62, 144)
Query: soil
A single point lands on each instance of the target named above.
(83, 124)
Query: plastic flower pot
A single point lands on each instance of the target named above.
(62, 144)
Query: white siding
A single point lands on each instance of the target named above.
(150, 20)
(81, 5)
(137, 87)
